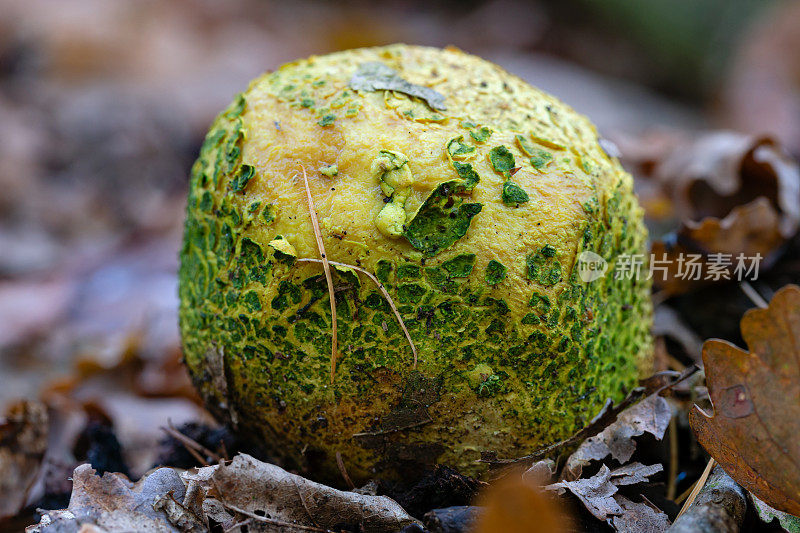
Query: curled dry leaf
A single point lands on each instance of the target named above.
(247, 484)
(720, 192)
(23, 441)
(710, 174)
(599, 493)
(651, 415)
(756, 398)
(751, 230)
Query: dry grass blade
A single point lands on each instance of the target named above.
(697, 487)
(385, 295)
(325, 265)
(753, 295)
(343, 471)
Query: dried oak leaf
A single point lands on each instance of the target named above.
(639, 517)
(250, 487)
(23, 442)
(756, 397)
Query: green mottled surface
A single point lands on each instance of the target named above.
(515, 352)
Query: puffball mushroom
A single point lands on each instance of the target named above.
(465, 194)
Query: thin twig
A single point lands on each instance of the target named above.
(385, 295)
(271, 520)
(753, 294)
(321, 246)
(697, 487)
(191, 445)
(343, 470)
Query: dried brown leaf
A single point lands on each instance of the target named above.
(178, 515)
(249, 485)
(752, 230)
(756, 397)
(651, 415)
(709, 174)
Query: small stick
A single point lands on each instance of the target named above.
(321, 246)
(385, 295)
(343, 471)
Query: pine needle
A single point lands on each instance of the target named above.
(385, 295)
(697, 487)
(325, 265)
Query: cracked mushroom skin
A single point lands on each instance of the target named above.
(470, 195)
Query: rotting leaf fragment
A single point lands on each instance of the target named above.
(376, 76)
